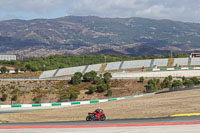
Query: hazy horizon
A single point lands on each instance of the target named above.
(184, 10)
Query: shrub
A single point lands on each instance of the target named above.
(73, 95)
(79, 74)
(23, 69)
(34, 69)
(75, 80)
(188, 83)
(92, 89)
(170, 78)
(109, 93)
(14, 97)
(151, 87)
(63, 98)
(108, 75)
(166, 83)
(141, 79)
(157, 81)
(107, 80)
(195, 80)
(89, 76)
(108, 86)
(98, 80)
(37, 100)
(4, 97)
(102, 88)
(177, 84)
(183, 78)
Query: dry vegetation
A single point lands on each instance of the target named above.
(160, 105)
(50, 91)
(27, 74)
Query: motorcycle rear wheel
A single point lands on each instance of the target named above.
(88, 118)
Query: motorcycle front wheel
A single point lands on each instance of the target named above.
(103, 118)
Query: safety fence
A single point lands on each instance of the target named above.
(69, 103)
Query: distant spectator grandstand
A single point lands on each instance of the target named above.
(136, 64)
(95, 67)
(160, 62)
(181, 61)
(69, 71)
(113, 66)
(195, 61)
(8, 57)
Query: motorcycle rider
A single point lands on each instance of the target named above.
(98, 112)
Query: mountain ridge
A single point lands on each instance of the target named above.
(72, 33)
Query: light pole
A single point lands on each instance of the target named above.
(44, 67)
(105, 58)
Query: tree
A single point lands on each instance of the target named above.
(23, 69)
(98, 80)
(79, 74)
(89, 76)
(34, 69)
(75, 80)
(28, 66)
(3, 69)
(16, 70)
(107, 75)
(141, 79)
(170, 77)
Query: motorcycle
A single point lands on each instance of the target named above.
(94, 117)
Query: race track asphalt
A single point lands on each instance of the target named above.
(153, 125)
(120, 121)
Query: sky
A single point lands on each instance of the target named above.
(178, 10)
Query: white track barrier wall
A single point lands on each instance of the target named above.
(95, 67)
(195, 61)
(113, 66)
(160, 62)
(159, 74)
(70, 71)
(47, 74)
(136, 64)
(181, 61)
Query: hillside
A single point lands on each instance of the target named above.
(51, 91)
(82, 35)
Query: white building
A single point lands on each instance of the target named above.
(8, 57)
